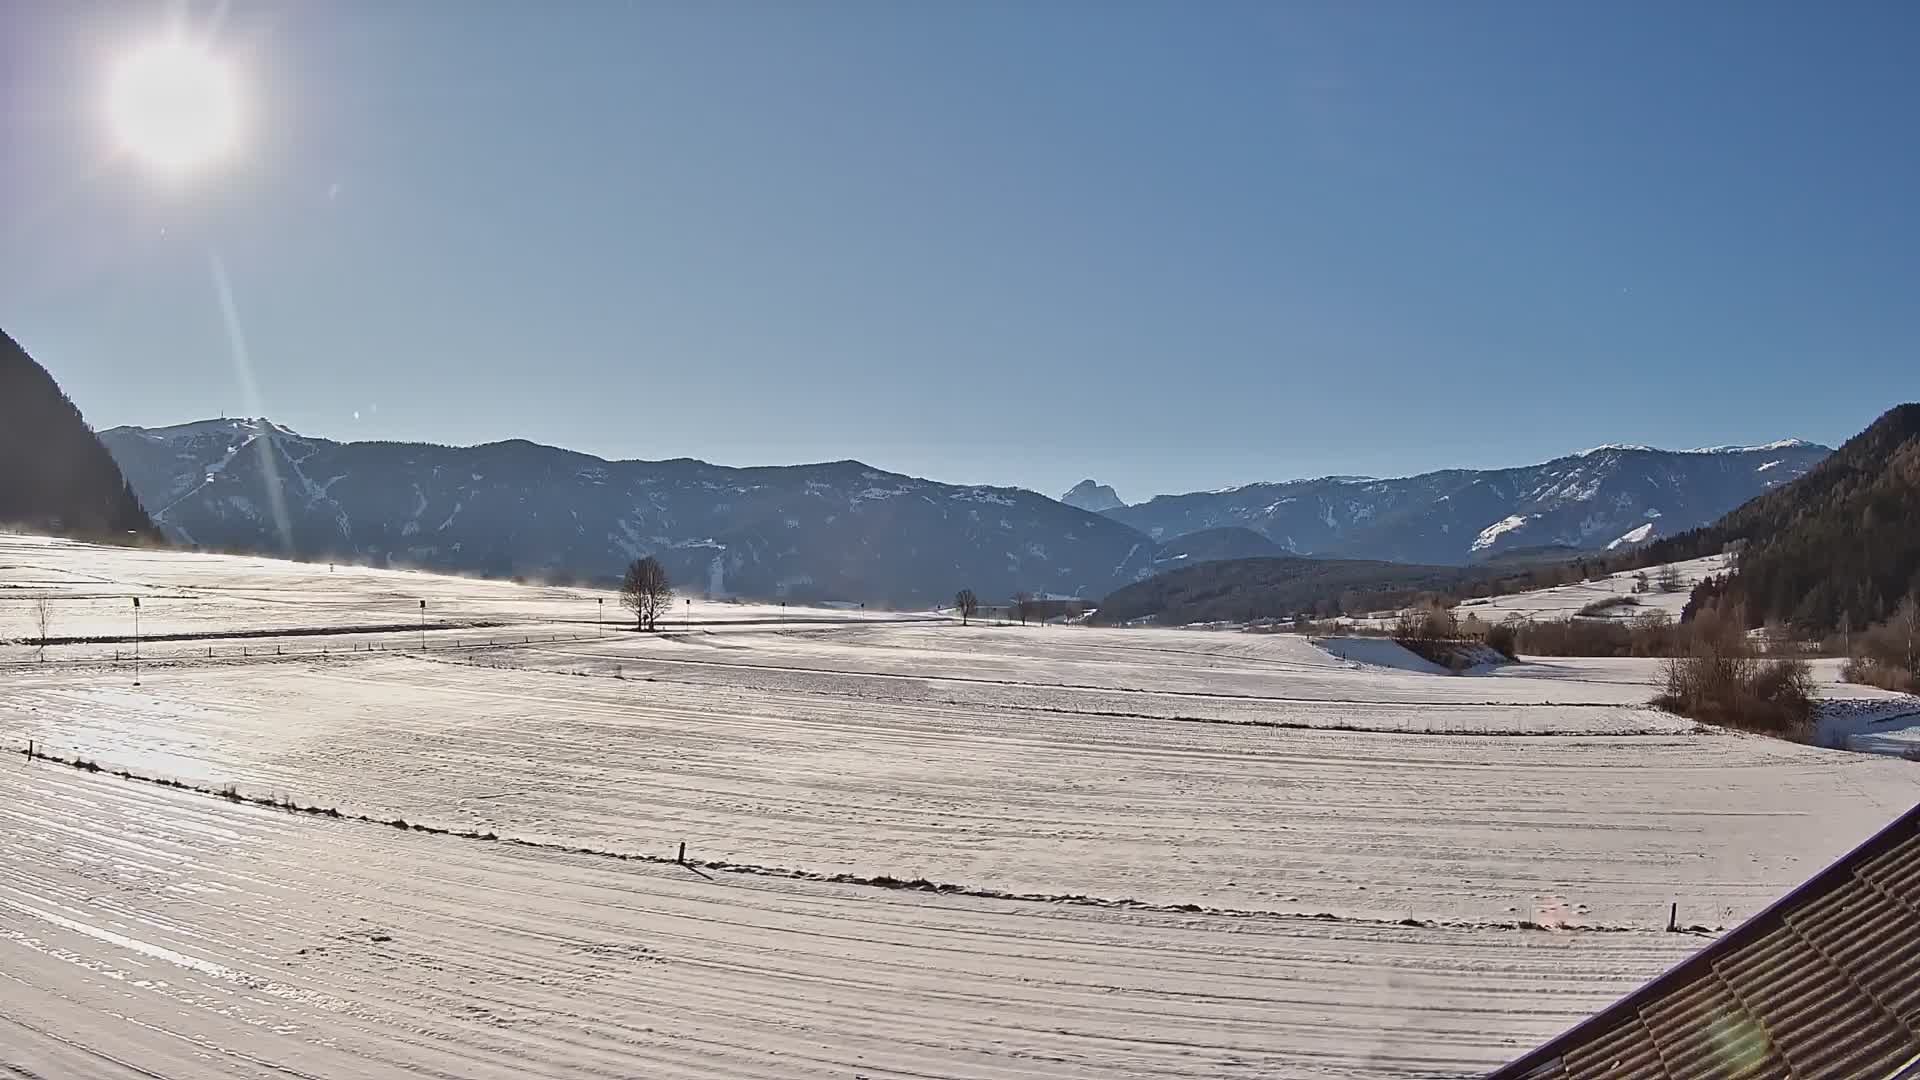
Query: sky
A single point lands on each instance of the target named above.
(1169, 246)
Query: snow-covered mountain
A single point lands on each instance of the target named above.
(1088, 495)
(846, 531)
(1606, 497)
(834, 531)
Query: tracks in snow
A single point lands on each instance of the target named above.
(233, 794)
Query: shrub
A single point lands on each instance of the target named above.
(1574, 637)
(1869, 672)
(1720, 681)
(1504, 639)
(1607, 603)
(1427, 623)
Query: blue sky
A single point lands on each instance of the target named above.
(1168, 246)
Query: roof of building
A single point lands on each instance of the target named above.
(1824, 983)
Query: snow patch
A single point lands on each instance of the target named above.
(1633, 536)
(1777, 444)
(1379, 652)
(1491, 535)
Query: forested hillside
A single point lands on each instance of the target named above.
(1839, 547)
(54, 474)
(1242, 590)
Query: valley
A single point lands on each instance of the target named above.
(912, 848)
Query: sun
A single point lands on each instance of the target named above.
(173, 105)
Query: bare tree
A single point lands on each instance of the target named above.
(1427, 622)
(1023, 602)
(1668, 579)
(42, 621)
(646, 591)
(966, 604)
(1905, 625)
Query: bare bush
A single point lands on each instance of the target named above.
(1574, 637)
(1427, 623)
(1504, 638)
(1719, 680)
(1653, 633)
(1667, 579)
(1606, 604)
(1866, 672)
(1648, 634)
(1887, 654)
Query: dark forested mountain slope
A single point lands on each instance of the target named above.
(55, 476)
(1210, 545)
(1841, 541)
(1239, 590)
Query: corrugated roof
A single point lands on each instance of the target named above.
(1824, 984)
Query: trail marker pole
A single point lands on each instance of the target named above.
(136, 641)
(600, 615)
(1673, 918)
(682, 858)
(423, 626)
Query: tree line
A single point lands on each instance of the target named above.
(55, 475)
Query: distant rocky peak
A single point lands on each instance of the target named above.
(1092, 496)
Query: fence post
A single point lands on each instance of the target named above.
(682, 859)
(1673, 918)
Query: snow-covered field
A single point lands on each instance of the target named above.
(1565, 601)
(1167, 853)
(91, 591)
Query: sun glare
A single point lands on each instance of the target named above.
(172, 104)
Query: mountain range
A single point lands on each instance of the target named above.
(836, 531)
(1836, 549)
(1605, 498)
(846, 531)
